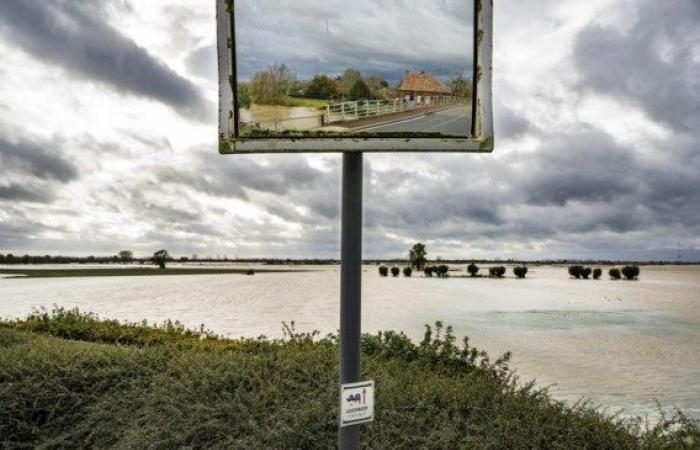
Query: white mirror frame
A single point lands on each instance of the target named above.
(482, 125)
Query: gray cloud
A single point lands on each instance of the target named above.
(327, 37)
(40, 159)
(18, 193)
(653, 64)
(585, 165)
(75, 36)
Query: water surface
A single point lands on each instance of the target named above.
(623, 344)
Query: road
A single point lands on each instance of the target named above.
(454, 122)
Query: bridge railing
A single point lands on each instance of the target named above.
(361, 109)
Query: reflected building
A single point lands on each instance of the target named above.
(422, 87)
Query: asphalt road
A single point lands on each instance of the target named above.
(454, 122)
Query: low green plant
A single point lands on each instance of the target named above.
(64, 384)
(428, 271)
(395, 271)
(520, 271)
(586, 272)
(597, 273)
(630, 272)
(615, 273)
(473, 269)
(383, 271)
(407, 271)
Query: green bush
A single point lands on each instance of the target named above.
(575, 271)
(250, 272)
(360, 91)
(473, 269)
(630, 272)
(383, 271)
(597, 273)
(407, 271)
(615, 274)
(428, 271)
(442, 270)
(257, 393)
(395, 271)
(586, 272)
(497, 271)
(520, 271)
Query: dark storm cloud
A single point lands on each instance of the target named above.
(76, 36)
(18, 193)
(586, 166)
(327, 37)
(40, 159)
(654, 64)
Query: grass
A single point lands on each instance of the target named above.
(128, 272)
(71, 380)
(301, 102)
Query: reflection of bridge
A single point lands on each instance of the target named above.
(454, 121)
(375, 115)
(367, 109)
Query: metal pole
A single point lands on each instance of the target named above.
(350, 284)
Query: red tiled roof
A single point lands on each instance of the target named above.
(422, 82)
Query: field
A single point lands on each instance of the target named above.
(301, 102)
(129, 272)
(73, 380)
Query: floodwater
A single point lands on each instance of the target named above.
(623, 344)
(281, 117)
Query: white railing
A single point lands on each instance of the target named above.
(361, 109)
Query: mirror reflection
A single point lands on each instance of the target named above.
(387, 67)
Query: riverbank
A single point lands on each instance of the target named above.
(72, 380)
(131, 272)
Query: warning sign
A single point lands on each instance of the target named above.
(356, 403)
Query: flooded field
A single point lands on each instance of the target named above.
(623, 344)
(281, 117)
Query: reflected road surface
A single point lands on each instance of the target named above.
(454, 121)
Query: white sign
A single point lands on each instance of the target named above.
(356, 403)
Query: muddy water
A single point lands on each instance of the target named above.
(281, 117)
(623, 344)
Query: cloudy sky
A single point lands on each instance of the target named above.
(108, 142)
(385, 38)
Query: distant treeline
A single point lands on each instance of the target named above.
(50, 259)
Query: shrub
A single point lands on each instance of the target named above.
(586, 272)
(575, 271)
(520, 271)
(428, 271)
(473, 269)
(250, 272)
(395, 271)
(407, 271)
(497, 271)
(360, 91)
(383, 271)
(172, 386)
(615, 274)
(630, 272)
(597, 272)
(442, 270)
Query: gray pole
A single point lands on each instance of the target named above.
(350, 284)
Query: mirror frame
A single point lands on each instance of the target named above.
(482, 140)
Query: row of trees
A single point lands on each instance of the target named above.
(270, 86)
(584, 273)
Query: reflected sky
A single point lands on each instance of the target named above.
(385, 37)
